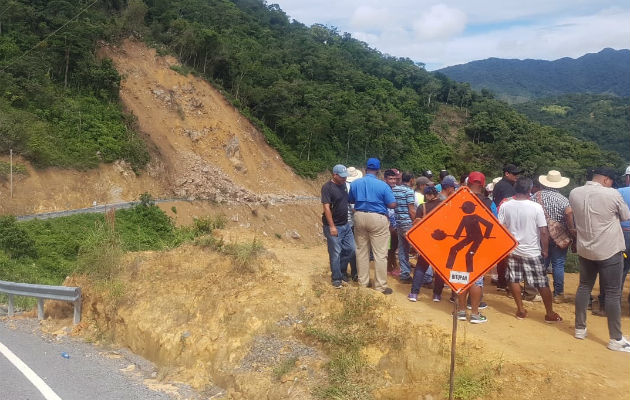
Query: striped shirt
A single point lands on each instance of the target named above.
(404, 197)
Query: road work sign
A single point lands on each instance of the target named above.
(461, 239)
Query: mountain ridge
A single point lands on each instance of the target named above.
(515, 80)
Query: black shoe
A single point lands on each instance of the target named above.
(355, 278)
(337, 284)
(345, 278)
(387, 291)
(405, 280)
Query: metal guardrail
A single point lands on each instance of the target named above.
(41, 292)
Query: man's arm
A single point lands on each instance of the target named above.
(568, 216)
(544, 241)
(329, 219)
(412, 211)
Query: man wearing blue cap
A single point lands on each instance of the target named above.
(337, 230)
(371, 198)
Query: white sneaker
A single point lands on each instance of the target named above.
(619, 345)
(580, 333)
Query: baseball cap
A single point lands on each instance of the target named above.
(512, 169)
(373, 163)
(477, 176)
(423, 180)
(449, 180)
(340, 170)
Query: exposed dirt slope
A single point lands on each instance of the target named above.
(201, 148)
(209, 150)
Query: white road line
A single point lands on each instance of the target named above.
(29, 374)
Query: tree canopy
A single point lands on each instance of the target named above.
(320, 96)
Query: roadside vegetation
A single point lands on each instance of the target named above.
(47, 251)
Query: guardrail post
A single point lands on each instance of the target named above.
(40, 309)
(77, 311)
(11, 307)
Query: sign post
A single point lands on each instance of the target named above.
(461, 239)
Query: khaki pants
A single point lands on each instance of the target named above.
(371, 230)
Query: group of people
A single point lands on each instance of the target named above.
(367, 219)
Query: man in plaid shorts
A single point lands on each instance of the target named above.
(525, 219)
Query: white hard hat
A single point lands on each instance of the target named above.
(628, 170)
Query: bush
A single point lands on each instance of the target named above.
(14, 240)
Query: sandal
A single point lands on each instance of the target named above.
(553, 318)
(521, 314)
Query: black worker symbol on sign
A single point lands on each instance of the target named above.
(471, 223)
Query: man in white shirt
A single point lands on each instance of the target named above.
(526, 221)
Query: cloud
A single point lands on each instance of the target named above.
(439, 23)
(369, 18)
(440, 35)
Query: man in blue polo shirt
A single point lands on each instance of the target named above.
(371, 198)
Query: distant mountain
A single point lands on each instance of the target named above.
(516, 81)
(603, 119)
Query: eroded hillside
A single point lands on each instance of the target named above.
(201, 148)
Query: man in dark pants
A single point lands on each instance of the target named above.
(337, 230)
(503, 190)
(598, 210)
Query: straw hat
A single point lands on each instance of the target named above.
(353, 174)
(553, 179)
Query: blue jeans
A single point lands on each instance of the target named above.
(341, 249)
(403, 252)
(428, 276)
(557, 257)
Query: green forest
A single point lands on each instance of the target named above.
(602, 119)
(319, 96)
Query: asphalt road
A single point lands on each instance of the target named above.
(90, 372)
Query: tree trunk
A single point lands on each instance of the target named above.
(65, 77)
(205, 62)
(429, 104)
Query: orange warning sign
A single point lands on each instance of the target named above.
(461, 239)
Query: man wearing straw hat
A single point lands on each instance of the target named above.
(559, 219)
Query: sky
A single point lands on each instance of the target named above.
(440, 34)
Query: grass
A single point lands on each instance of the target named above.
(343, 334)
(474, 378)
(284, 367)
(181, 69)
(18, 169)
(46, 251)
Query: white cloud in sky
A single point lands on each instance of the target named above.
(369, 18)
(449, 32)
(439, 22)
